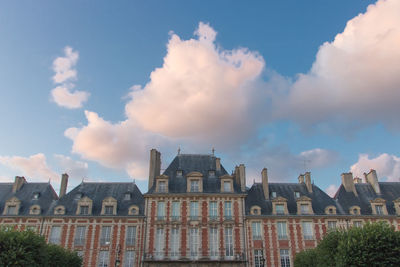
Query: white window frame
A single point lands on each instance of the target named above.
(304, 209)
(160, 243)
(161, 210)
(130, 239)
(104, 258)
(227, 186)
(281, 209)
(379, 209)
(105, 238)
(176, 210)
(258, 255)
(129, 258)
(229, 251)
(256, 230)
(194, 210)
(55, 235)
(228, 210)
(80, 235)
(195, 185)
(213, 240)
(194, 243)
(284, 257)
(307, 229)
(162, 186)
(213, 210)
(332, 225)
(175, 243)
(282, 230)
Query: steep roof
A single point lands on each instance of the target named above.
(255, 196)
(389, 192)
(97, 192)
(25, 194)
(188, 163)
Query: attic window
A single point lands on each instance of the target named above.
(78, 196)
(211, 173)
(273, 194)
(297, 194)
(179, 173)
(36, 195)
(127, 196)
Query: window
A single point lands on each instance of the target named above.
(194, 210)
(194, 186)
(285, 259)
(36, 196)
(84, 210)
(12, 210)
(331, 225)
(129, 259)
(80, 235)
(304, 209)
(179, 173)
(211, 173)
(109, 210)
(174, 243)
(127, 196)
(258, 258)
(379, 209)
(213, 239)
(228, 210)
(213, 210)
(256, 230)
(194, 242)
(55, 235)
(227, 186)
(103, 258)
(307, 230)
(131, 235)
(357, 223)
(282, 234)
(273, 194)
(355, 211)
(297, 194)
(162, 186)
(159, 253)
(175, 210)
(280, 209)
(228, 242)
(105, 235)
(161, 210)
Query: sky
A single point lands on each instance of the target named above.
(89, 87)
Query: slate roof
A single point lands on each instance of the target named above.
(25, 194)
(255, 196)
(97, 192)
(188, 163)
(389, 191)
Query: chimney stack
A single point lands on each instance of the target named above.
(264, 180)
(64, 184)
(242, 175)
(357, 180)
(372, 179)
(308, 182)
(19, 181)
(217, 164)
(348, 183)
(155, 166)
(301, 179)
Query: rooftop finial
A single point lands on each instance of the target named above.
(213, 150)
(179, 150)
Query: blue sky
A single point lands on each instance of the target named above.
(287, 91)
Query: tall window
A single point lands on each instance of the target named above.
(228, 210)
(175, 210)
(281, 230)
(213, 239)
(213, 210)
(130, 235)
(331, 225)
(174, 243)
(194, 243)
(256, 230)
(129, 259)
(280, 209)
(285, 258)
(194, 210)
(12, 210)
(227, 186)
(109, 210)
(304, 209)
(228, 242)
(194, 186)
(357, 223)
(84, 210)
(162, 186)
(258, 258)
(307, 230)
(159, 253)
(161, 210)
(379, 209)
(103, 258)
(80, 235)
(55, 235)
(105, 235)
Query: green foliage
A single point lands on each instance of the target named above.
(375, 244)
(25, 248)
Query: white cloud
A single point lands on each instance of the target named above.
(355, 79)
(34, 166)
(385, 165)
(65, 74)
(75, 169)
(317, 157)
(331, 190)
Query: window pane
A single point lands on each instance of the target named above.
(285, 259)
(280, 209)
(228, 210)
(129, 260)
(194, 186)
(12, 210)
(175, 243)
(80, 235)
(105, 235)
(258, 258)
(282, 230)
(131, 235)
(194, 243)
(175, 210)
(159, 253)
(108, 210)
(213, 239)
(213, 210)
(194, 210)
(304, 208)
(227, 186)
(162, 186)
(228, 242)
(55, 235)
(84, 210)
(256, 230)
(103, 258)
(307, 230)
(332, 225)
(161, 210)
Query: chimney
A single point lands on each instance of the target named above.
(301, 179)
(155, 166)
(372, 179)
(348, 183)
(217, 164)
(19, 181)
(308, 182)
(242, 175)
(264, 180)
(237, 176)
(357, 180)
(64, 184)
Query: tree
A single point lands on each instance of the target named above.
(375, 244)
(25, 248)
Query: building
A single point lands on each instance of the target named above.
(195, 214)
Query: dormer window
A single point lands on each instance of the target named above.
(280, 209)
(279, 206)
(179, 173)
(35, 210)
(12, 206)
(84, 206)
(84, 210)
(36, 195)
(379, 209)
(354, 210)
(127, 196)
(227, 186)
(194, 186)
(109, 206)
(12, 210)
(59, 210)
(330, 210)
(297, 194)
(162, 186)
(304, 206)
(227, 183)
(133, 210)
(194, 182)
(304, 209)
(211, 173)
(273, 194)
(255, 210)
(108, 210)
(378, 206)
